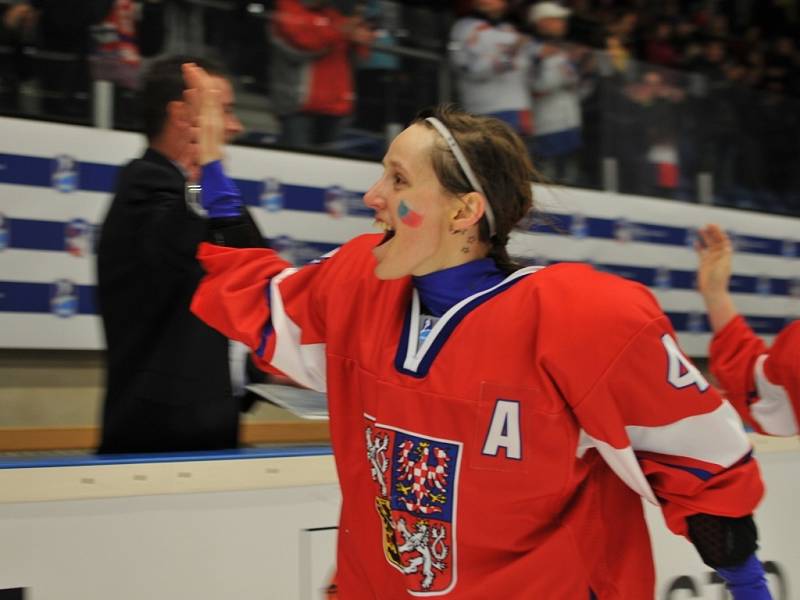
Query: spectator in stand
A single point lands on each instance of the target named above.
(64, 34)
(762, 383)
(686, 40)
(377, 78)
(781, 66)
(115, 56)
(626, 24)
(17, 24)
(659, 49)
(492, 58)
(717, 126)
(556, 96)
(646, 122)
(311, 88)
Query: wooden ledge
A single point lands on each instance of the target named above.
(13, 439)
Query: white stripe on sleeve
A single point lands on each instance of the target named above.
(773, 411)
(305, 363)
(717, 437)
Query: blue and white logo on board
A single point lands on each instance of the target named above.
(4, 233)
(691, 237)
(337, 200)
(663, 278)
(763, 285)
(65, 173)
(63, 298)
(579, 227)
(736, 241)
(271, 197)
(789, 248)
(694, 322)
(623, 230)
(79, 237)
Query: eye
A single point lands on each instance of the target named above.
(398, 179)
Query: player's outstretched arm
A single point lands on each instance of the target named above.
(715, 252)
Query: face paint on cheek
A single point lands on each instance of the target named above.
(408, 216)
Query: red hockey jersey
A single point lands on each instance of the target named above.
(504, 456)
(762, 383)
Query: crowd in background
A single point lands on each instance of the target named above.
(641, 96)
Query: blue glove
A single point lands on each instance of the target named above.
(219, 195)
(747, 580)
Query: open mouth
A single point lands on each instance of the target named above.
(388, 232)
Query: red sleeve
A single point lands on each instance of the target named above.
(259, 299)
(782, 366)
(643, 406)
(773, 403)
(306, 29)
(231, 297)
(254, 296)
(732, 358)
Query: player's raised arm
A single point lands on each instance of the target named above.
(763, 384)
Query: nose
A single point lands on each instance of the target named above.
(233, 127)
(374, 197)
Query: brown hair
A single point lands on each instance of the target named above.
(501, 163)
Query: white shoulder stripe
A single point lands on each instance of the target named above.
(773, 411)
(306, 364)
(716, 437)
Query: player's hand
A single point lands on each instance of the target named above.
(204, 102)
(714, 250)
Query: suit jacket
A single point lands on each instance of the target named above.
(168, 384)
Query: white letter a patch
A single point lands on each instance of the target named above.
(504, 430)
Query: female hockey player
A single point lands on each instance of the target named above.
(762, 383)
(494, 427)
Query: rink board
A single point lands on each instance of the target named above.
(260, 525)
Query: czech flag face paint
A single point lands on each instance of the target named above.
(408, 216)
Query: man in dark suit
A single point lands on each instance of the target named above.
(168, 384)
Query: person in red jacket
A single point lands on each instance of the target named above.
(762, 383)
(494, 426)
(311, 75)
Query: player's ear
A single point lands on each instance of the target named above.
(469, 210)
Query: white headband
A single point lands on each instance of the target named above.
(462, 162)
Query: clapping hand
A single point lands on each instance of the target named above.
(204, 102)
(714, 250)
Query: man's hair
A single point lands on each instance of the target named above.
(163, 83)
